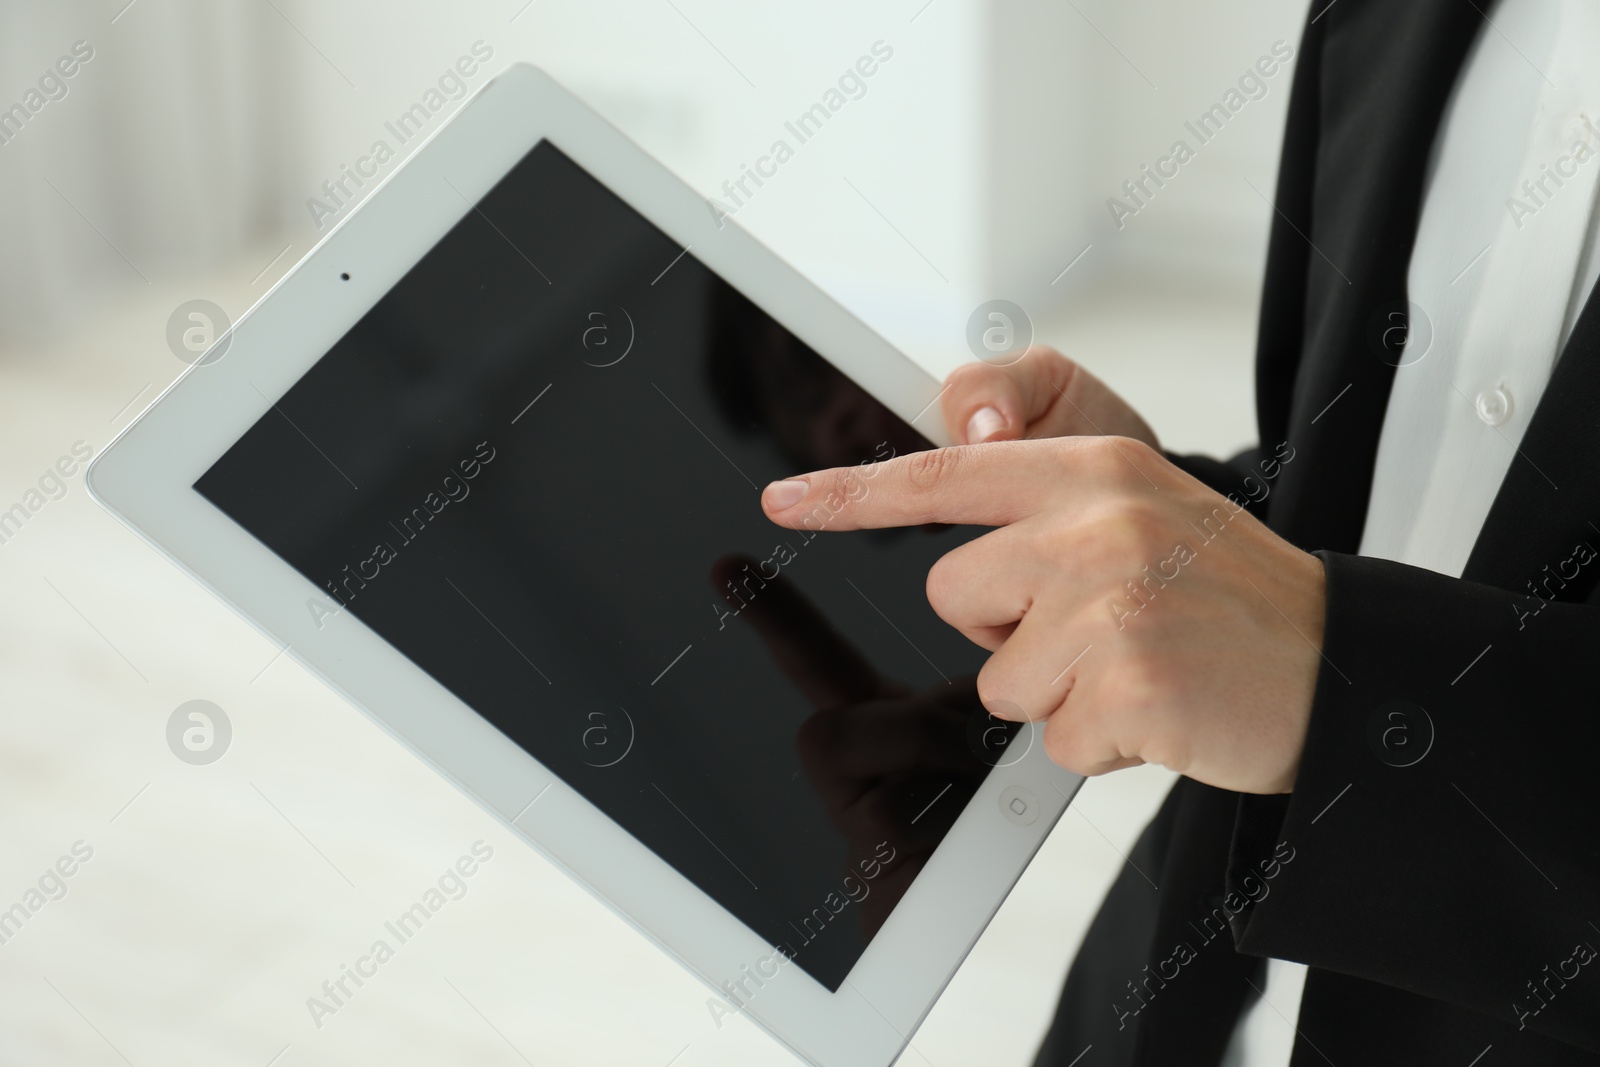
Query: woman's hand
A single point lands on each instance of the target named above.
(1043, 394)
(1144, 617)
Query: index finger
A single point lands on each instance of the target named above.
(982, 485)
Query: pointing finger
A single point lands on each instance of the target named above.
(989, 485)
(944, 485)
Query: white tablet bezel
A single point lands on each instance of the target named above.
(146, 478)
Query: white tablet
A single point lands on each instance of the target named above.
(488, 462)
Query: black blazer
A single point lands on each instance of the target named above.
(1438, 863)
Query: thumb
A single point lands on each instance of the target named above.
(986, 402)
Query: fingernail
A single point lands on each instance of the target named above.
(985, 423)
(785, 494)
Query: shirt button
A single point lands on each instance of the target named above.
(1494, 405)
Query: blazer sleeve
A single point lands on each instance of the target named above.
(1444, 822)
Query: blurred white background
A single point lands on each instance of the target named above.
(178, 165)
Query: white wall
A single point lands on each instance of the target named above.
(990, 141)
(1208, 220)
(163, 159)
(1080, 96)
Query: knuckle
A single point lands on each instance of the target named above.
(993, 685)
(1045, 358)
(1121, 462)
(842, 485)
(1143, 683)
(970, 377)
(930, 470)
(1140, 454)
(988, 684)
(1043, 355)
(941, 585)
(1134, 529)
(1067, 744)
(1146, 522)
(1099, 457)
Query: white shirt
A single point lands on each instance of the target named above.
(1500, 271)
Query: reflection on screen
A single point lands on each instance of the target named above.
(534, 469)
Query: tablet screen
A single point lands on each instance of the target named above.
(534, 469)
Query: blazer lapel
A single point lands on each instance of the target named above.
(1549, 504)
(1341, 249)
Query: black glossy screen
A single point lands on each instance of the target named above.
(534, 468)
